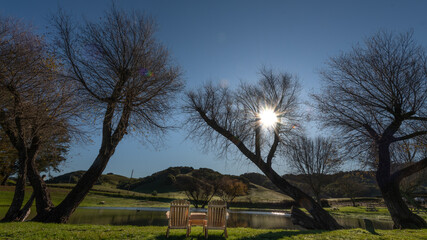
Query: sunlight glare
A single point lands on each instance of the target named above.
(268, 118)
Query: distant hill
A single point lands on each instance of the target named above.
(160, 182)
(163, 181)
(109, 179)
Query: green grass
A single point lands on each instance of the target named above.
(35, 231)
(360, 212)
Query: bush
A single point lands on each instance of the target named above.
(170, 179)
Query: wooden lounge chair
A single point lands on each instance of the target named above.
(216, 217)
(178, 216)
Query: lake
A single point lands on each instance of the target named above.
(157, 217)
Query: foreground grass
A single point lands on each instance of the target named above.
(37, 231)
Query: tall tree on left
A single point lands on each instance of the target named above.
(126, 80)
(36, 106)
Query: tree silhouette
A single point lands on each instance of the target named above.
(226, 119)
(376, 96)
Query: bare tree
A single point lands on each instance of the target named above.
(225, 118)
(375, 95)
(230, 188)
(198, 191)
(126, 80)
(314, 159)
(348, 186)
(35, 105)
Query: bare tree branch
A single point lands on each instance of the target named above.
(410, 136)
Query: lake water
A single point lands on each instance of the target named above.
(157, 217)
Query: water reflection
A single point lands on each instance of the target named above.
(237, 218)
(157, 217)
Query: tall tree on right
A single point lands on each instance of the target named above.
(375, 95)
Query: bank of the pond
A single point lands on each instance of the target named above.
(39, 231)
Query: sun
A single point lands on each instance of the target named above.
(268, 118)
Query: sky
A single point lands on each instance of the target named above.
(227, 42)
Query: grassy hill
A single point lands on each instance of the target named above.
(162, 183)
(108, 180)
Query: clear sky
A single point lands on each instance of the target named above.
(228, 41)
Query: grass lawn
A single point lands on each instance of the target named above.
(36, 231)
(360, 212)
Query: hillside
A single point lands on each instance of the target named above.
(109, 179)
(162, 183)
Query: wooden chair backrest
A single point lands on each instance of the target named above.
(179, 213)
(217, 214)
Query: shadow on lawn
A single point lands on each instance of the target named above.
(279, 235)
(269, 236)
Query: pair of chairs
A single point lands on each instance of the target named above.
(180, 217)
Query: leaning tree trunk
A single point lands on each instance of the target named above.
(26, 210)
(18, 198)
(62, 212)
(41, 192)
(401, 215)
(320, 219)
(4, 180)
(399, 211)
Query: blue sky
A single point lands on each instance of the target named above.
(228, 41)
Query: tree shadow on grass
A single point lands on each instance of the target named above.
(218, 236)
(279, 235)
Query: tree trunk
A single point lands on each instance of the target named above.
(18, 198)
(41, 192)
(26, 210)
(298, 217)
(63, 211)
(399, 211)
(4, 180)
(353, 201)
(320, 219)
